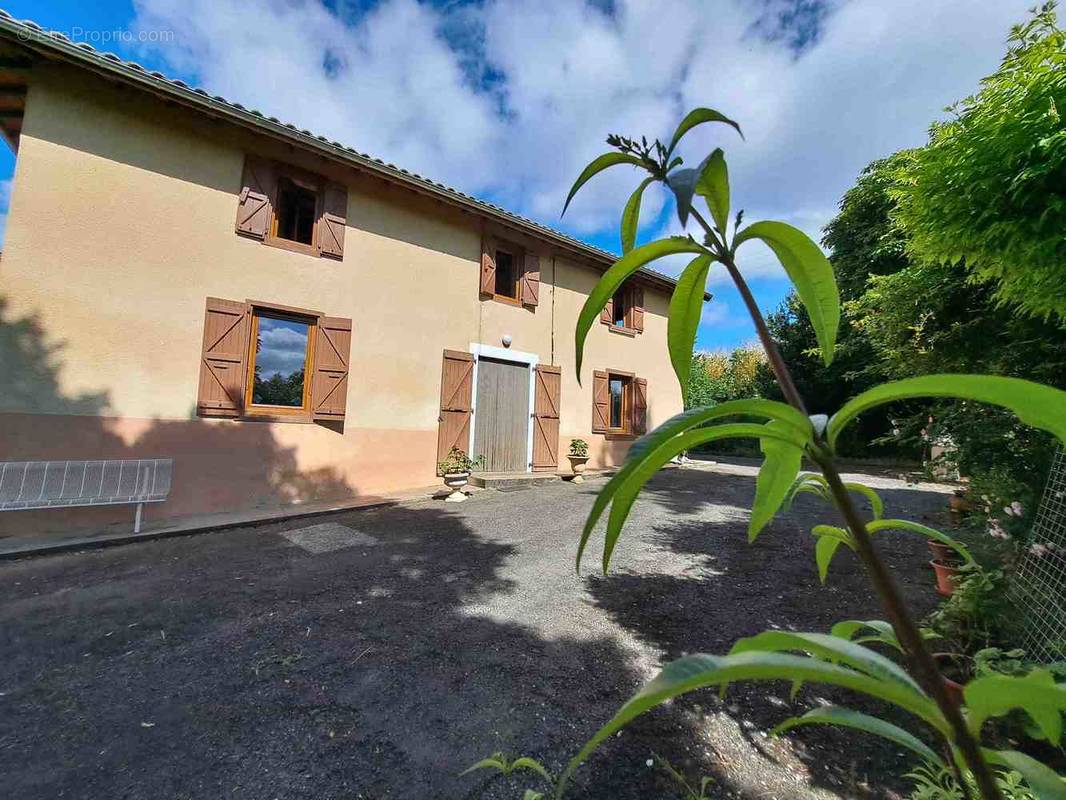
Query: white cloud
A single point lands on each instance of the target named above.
(406, 82)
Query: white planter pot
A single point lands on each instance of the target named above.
(577, 464)
(456, 481)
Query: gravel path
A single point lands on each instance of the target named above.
(374, 654)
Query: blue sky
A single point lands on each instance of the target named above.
(508, 99)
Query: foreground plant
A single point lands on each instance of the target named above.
(787, 435)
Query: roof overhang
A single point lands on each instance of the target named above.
(27, 37)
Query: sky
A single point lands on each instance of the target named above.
(509, 99)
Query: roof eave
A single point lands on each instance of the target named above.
(110, 66)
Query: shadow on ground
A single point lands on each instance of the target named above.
(772, 584)
(242, 665)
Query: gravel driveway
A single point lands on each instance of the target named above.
(376, 653)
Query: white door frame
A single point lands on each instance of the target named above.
(531, 360)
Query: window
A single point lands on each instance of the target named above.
(619, 389)
(279, 361)
(286, 207)
(621, 305)
(294, 216)
(625, 312)
(506, 274)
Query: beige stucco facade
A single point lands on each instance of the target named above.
(121, 225)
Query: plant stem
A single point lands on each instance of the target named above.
(906, 630)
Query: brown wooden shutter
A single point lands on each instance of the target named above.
(329, 384)
(601, 402)
(456, 394)
(546, 418)
(488, 265)
(531, 280)
(224, 359)
(254, 207)
(607, 314)
(636, 309)
(333, 221)
(639, 406)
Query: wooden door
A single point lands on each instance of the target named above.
(501, 415)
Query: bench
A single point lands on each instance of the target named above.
(26, 485)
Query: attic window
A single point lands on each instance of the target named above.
(296, 212)
(621, 306)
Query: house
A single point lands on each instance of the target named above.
(286, 318)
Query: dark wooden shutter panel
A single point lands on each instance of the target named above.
(637, 309)
(329, 384)
(488, 265)
(549, 381)
(607, 314)
(224, 358)
(456, 395)
(601, 402)
(531, 280)
(333, 221)
(640, 406)
(254, 206)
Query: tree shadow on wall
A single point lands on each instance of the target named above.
(217, 464)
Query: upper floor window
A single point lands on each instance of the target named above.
(509, 272)
(296, 211)
(506, 286)
(287, 207)
(625, 311)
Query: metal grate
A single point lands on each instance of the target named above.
(1040, 587)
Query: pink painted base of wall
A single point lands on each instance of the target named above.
(219, 465)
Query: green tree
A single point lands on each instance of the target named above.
(989, 188)
(863, 240)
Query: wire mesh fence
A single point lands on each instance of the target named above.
(1040, 587)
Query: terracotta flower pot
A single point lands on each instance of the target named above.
(959, 504)
(456, 481)
(944, 574)
(954, 687)
(941, 552)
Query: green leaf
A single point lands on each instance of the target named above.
(614, 277)
(877, 505)
(625, 493)
(697, 117)
(811, 274)
(700, 671)
(1037, 694)
(883, 631)
(683, 184)
(924, 530)
(495, 761)
(1035, 404)
(532, 765)
(829, 648)
(631, 216)
(847, 718)
(713, 186)
(679, 423)
(531, 795)
(596, 166)
(779, 469)
(683, 318)
(824, 550)
(1045, 783)
(809, 482)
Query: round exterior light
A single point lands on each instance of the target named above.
(507, 340)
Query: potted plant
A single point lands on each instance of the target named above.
(579, 456)
(456, 471)
(945, 576)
